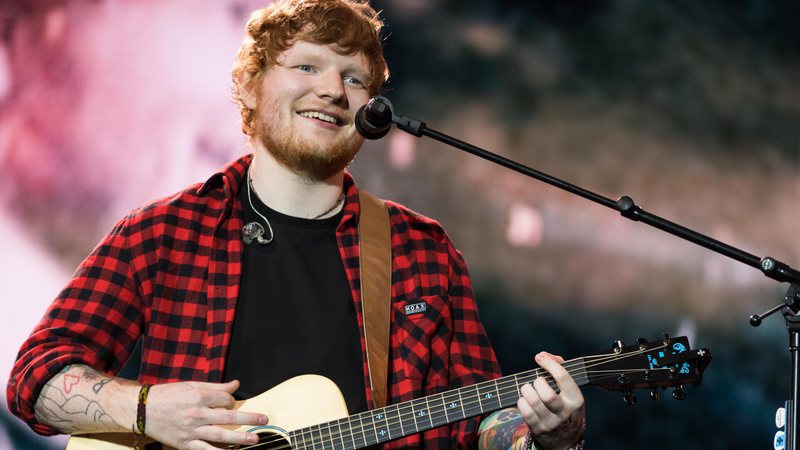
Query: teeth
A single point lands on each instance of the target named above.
(318, 115)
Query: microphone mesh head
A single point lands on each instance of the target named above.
(374, 120)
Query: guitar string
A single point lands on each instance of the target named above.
(503, 386)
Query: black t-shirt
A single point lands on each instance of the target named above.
(295, 314)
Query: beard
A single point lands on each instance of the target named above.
(302, 155)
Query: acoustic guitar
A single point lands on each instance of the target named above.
(309, 412)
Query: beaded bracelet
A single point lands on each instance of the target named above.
(528, 445)
(141, 416)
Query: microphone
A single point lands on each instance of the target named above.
(374, 119)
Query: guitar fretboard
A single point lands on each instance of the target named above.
(395, 421)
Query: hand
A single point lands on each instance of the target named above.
(188, 415)
(556, 419)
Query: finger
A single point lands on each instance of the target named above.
(527, 399)
(218, 399)
(563, 379)
(558, 358)
(219, 435)
(229, 386)
(200, 445)
(549, 409)
(232, 417)
(549, 402)
(219, 395)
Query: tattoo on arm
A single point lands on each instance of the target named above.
(61, 405)
(99, 385)
(70, 381)
(502, 430)
(89, 375)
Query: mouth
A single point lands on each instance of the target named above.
(321, 116)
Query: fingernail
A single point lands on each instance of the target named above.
(252, 438)
(263, 420)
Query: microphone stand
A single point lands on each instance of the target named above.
(379, 109)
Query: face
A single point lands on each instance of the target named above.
(306, 108)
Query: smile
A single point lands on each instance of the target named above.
(320, 116)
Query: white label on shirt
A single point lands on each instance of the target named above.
(416, 308)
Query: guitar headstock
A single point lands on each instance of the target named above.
(669, 362)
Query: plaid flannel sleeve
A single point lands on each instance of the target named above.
(95, 320)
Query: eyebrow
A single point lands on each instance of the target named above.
(350, 69)
(358, 72)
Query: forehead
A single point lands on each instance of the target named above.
(301, 52)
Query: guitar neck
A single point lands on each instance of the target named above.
(394, 421)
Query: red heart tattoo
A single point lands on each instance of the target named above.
(70, 381)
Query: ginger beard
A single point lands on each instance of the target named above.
(313, 156)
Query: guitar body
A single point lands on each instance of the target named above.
(296, 403)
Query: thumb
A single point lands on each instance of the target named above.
(229, 387)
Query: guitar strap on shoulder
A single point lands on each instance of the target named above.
(375, 246)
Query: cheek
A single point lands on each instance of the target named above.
(269, 110)
(357, 98)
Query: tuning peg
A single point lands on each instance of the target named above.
(629, 398)
(679, 393)
(642, 343)
(617, 346)
(622, 378)
(666, 338)
(654, 395)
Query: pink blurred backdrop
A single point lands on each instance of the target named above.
(107, 104)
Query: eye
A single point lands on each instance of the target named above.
(305, 68)
(354, 81)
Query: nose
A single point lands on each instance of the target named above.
(331, 86)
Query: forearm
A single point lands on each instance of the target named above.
(81, 400)
(503, 430)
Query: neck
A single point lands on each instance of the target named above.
(291, 193)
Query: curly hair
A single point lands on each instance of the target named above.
(352, 26)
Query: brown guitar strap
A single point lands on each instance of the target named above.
(376, 289)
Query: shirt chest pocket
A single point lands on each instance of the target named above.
(424, 329)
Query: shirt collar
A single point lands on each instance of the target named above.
(231, 178)
(231, 175)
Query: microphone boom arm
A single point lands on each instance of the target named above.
(625, 205)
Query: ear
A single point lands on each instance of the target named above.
(246, 89)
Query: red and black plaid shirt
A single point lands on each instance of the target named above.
(169, 273)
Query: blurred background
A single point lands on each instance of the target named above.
(691, 108)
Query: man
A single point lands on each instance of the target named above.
(253, 277)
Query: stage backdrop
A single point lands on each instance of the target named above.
(692, 109)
